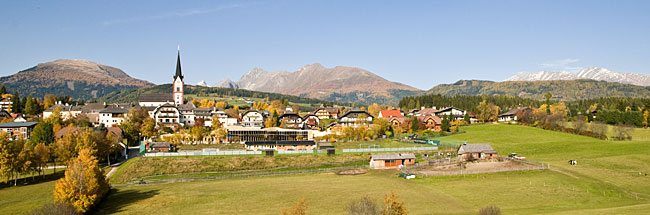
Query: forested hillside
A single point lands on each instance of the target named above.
(564, 90)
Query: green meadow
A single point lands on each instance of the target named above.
(605, 181)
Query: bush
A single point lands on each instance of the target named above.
(392, 205)
(490, 210)
(363, 206)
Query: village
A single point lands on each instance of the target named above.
(272, 137)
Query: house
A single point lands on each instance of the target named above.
(290, 120)
(190, 113)
(223, 117)
(327, 113)
(5, 103)
(113, 116)
(427, 112)
(281, 145)
(481, 151)
(155, 99)
(396, 121)
(355, 118)
(252, 118)
(167, 115)
(18, 129)
(66, 111)
(5, 114)
(311, 122)
(512, 114)
(160, 147)
(458, 114)
(392, 160)
(431, 122)
(390, 113)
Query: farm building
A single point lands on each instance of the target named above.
(161, 147)
(392, 160)
(476, 151)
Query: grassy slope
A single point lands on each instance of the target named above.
(606, 181)
(20, 199)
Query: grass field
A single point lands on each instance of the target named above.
(605, 181)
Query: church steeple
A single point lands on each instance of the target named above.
(178, 65)
(178, 81)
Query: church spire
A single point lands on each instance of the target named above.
(178, 65)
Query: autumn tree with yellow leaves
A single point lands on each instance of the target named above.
(84, 183)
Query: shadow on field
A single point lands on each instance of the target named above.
(117, 200)
(29, 180)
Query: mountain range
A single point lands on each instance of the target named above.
(567, 90)
(75, 78)
(341, 83)
(593, 73)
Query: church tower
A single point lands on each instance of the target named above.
(178, 81)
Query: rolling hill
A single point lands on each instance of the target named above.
(567, 90)
(78, 79)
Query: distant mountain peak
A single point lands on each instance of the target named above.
(202, 83)
(594, 73)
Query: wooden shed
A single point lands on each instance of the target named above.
(391, 161)
(481, 151)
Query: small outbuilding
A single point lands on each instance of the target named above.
(161, 147)
(481, 151)
(391, 161)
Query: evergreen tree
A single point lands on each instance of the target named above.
(3, 90)
(445, 125)
(29, 105)
(548, 97)
(42, 133)
(467, 119)
(415, 124)
(16, 106)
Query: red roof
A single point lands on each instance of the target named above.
(390, 113)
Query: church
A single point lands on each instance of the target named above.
(170, 109)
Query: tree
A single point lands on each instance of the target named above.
(467, 119)
(43, 133)
(579, 124)
(445, 124)
(295, 108)
(622, 132)
(415, 125)
(560, 109)
(599, 128)
(3, 90)
(487, 111)
(363, 206)
(41, 156)
(645, 118)
(84, 183)
(392, 205)
(48, 101)
(220, 104)
(548, 97)
(7, 157)
(299, 208)
(16, 106)
(29, 106)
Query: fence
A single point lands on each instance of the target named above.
(194, 153)
(237, 174)
(299, 152)
(392, 149)
(420, 170)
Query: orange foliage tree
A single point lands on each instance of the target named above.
(84, 183)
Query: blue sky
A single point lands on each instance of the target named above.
(420, 43)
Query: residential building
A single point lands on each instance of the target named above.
(431, 122)
(512, 114)
(327, 113)
(481, 151)
(243, 134)
(290, 120)
(113, 116)
(167, 115)
(5, 103)
(252, 118)
(458, 114)
(67, 111)
(390, 113)
(18, 129)
(391, 161)
(311, 122)
(355, 118)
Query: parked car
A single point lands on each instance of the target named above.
(515, 157)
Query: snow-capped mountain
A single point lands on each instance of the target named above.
(202, 83)
(594, 73)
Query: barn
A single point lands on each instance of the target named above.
(391, 161)
(482, 151)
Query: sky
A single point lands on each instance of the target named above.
(419, 43)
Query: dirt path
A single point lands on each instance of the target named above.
(481, 167)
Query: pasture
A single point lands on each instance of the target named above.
(605, 181)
